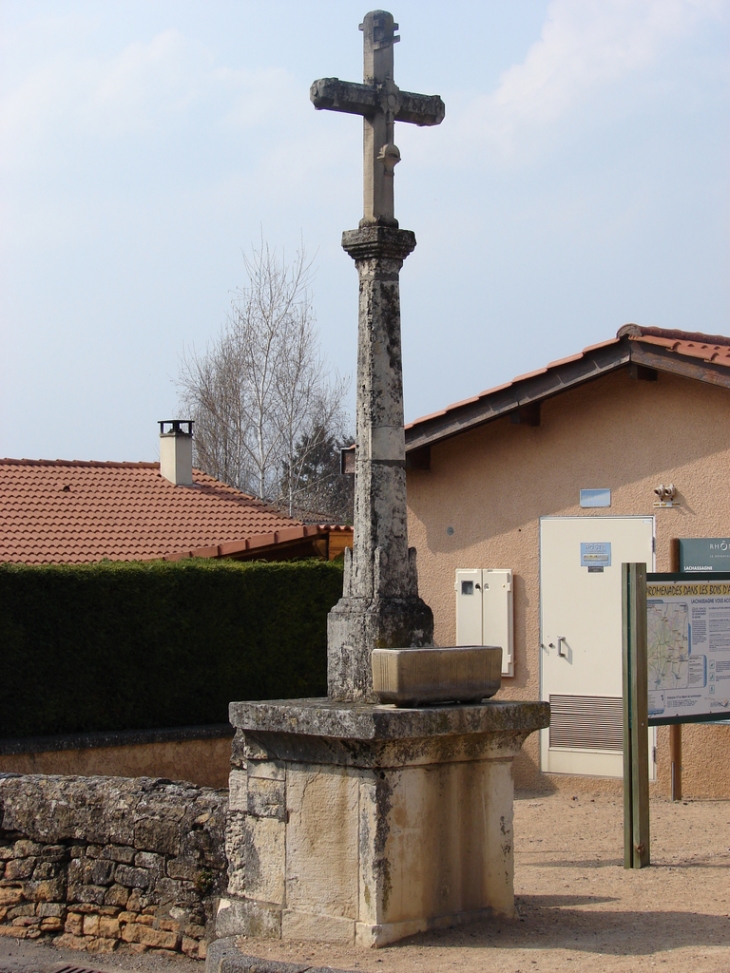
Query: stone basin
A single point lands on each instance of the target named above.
(423, 676)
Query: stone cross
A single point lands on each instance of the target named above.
(380, 607)
(381, 103)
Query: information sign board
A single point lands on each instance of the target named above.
(704, 554)
(688, 647)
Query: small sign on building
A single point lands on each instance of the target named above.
(704, 554)
(595, 555)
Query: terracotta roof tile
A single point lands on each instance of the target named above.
(57, 511)
(691, 349)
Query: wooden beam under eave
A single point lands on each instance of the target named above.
(641, 373)
(526, 415)
(419, 458)
(701, 371)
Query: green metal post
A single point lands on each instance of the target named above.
(636, 719)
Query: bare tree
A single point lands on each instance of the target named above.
(262, 391)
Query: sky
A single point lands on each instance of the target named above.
(578, 182)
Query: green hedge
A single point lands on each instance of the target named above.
(118, 646)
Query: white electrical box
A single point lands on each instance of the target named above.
(484, 611)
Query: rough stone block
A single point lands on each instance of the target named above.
(119, 853)
(92, 894)
(70, 941)
(19, 868)
(138, 878)
(27, 909)
(27, 921)
(168, 925)
(24, 848)
(14, 931)
(256, 850)
(242, 917)
(322, 841)
(52, 924)
(74, 924)
(9, 896)
(181, 868)
(108, 927)
(49, 909)
(156, 835)
(46, 870)
(90, 926)
(79, 871)
(50, 890)
(238, 790)
(246, 746)
(102, 872)
(267, 797)
(101, 945)
(137, 901)
(116, 895)
(190, 947)
(135, 932)
(266, 769)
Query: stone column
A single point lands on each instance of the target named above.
(380, 607)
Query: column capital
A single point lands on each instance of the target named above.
(388, 242)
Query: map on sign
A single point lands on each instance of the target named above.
(668, 648)
(688, 647)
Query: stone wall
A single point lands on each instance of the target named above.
(200, 754)
(101, 863)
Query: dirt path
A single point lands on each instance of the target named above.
(579, 908)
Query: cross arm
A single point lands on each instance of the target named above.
(336, 95)
(368, 100)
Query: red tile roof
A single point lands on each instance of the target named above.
(713, 349)
(55, 512)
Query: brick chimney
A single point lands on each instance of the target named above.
(176, 451)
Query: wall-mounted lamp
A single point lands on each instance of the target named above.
(665, 495)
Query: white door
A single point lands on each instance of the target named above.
(580, 635)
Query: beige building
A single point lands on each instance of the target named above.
(496, 481)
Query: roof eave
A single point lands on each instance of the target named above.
(533, 388)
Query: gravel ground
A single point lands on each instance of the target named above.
(579, 909)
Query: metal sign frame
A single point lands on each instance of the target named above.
(634, 579)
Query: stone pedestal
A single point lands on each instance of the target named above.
(363, 824)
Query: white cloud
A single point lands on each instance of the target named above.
(584, 45)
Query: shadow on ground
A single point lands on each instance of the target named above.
(545, 922)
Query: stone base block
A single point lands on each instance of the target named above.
(319, 928)
(363, 824)
(383, 935)
(244, 917)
